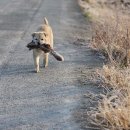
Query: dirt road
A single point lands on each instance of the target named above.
(53, 98)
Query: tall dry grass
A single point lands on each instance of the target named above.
(111, 37)
(114, 77)
(113, 109)
(112, 112)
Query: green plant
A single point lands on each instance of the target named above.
(88, 15)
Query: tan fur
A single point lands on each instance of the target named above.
(43, 35)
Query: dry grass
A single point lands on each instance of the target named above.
(113, 111)
(114, 77)
(105, 9)
(111, 31)
(111, 37)
(96, 8)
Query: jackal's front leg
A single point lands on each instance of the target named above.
(46, 55)
(36, 61)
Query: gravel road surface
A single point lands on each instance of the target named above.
(54, 98)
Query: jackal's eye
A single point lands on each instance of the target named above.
(42, 39)
(36, 39)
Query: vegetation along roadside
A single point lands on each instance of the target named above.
(110, 38)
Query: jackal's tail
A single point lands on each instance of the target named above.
(46, 21)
